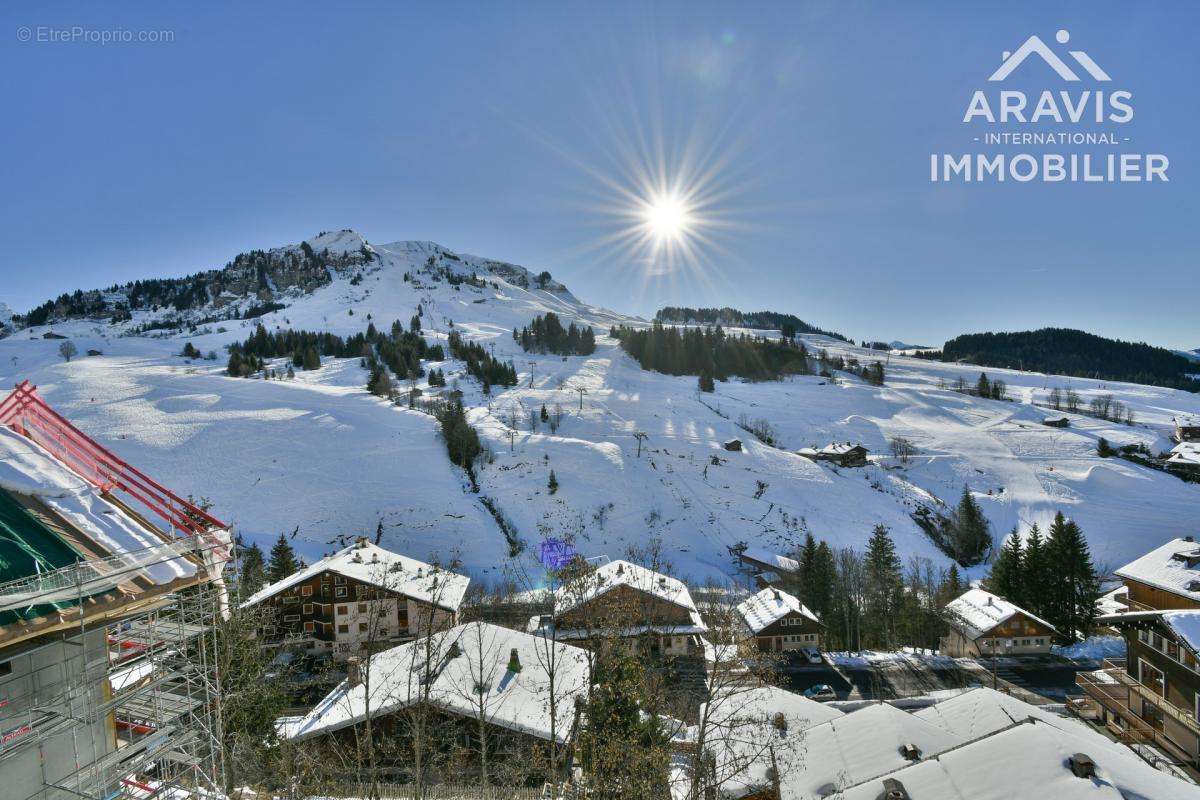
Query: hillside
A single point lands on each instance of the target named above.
(320, 456)
(1063, 351)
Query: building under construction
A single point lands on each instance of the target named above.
(109, 587)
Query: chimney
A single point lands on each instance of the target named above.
(1189, 539)
(893, 790)
(1081, 765)
(910, 752)
(776, 593)
(620, 569)
(360, 542)
(353, 671)
(514, 660)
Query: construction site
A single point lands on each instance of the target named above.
(110, 585)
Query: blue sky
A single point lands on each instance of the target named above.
(518, 131)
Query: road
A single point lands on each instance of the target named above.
(1046, 678)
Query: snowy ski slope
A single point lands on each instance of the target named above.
(321, 457)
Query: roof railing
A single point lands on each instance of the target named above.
(86, 578)
(25, 412)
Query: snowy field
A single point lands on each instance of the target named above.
(321, 457)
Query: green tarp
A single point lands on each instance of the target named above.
(27, 547)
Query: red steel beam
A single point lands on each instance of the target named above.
(28, 414)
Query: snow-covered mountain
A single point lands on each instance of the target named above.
(320, 456)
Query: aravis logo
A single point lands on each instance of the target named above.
(1087, 116)
(1035, 46)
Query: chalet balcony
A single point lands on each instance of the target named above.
(1113, 688)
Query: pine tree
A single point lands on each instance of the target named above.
(283, 560)
(380, 382)
(883, 584)
(806, 574)
(253, 574)
(552, 484)
(1038, 573)
(1075, 587)
(820, 588)
(623, 748)
(414, 324)
(952, 585)
(971, 533)
(706, 382)
(1007, 577)
(311, 359)
(545, 416)
(982, 387)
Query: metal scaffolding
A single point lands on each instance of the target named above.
(132, 694)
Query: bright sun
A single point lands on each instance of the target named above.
(666, 217)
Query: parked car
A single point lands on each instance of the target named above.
(813, 655)
(821, 692)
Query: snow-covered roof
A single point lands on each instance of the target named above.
(743, 726)
(469, 662)
(1166, 568)
(28, 469)
(1186, 625)
(831, 449)
(856, 747)
(769, 606)
(767, 557)
(1185, 454)
(624, 573)
(977, 611)
(369, 563)
(1028, 760)
(983, 711)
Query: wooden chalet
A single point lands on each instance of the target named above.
(984, 624)
(460, 677)
(779, 622)
(362, 597)
(1187, 430)
(626, 600)
(1153, 694)
(844, 454)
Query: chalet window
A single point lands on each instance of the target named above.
(291, 618)
(1143, 636)
(362, 627)
(308, 609)
(339, 580)
(324, 590)
(341, 591)
(343, 628)
(362, 608)
(6, 668)
(1173, 650)
(290, 600)
(309, 627)
(342, 609)
(306, 591)
(1158, 642)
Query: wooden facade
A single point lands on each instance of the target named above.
(1143, 595)
(640, 613)
(1018, 635)
(332, 613)
(793, 632)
